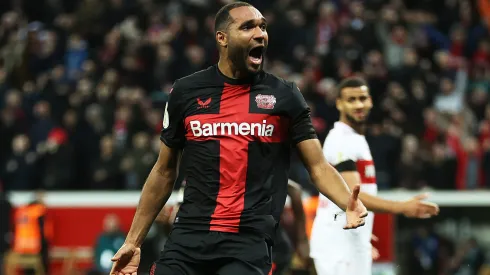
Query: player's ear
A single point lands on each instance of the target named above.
(338, 104)
(222, 38)
(370, 101)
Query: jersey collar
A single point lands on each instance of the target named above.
(344, 127)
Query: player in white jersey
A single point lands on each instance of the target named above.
(336, 251)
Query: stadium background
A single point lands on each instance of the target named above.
(83, 84)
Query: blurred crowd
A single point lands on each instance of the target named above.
(431, 253)
(83, 83)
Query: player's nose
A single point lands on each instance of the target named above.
(358, 104)
(259, 35)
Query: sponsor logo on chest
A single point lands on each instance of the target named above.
(231, 129)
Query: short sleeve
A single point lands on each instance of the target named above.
(301, 125)
(173, 132)
(340, 154)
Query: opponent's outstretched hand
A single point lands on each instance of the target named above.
(126, 260)
(356, 211)
(417, 208)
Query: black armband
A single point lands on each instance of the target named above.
(346, 166)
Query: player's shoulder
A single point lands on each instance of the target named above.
(278, 83)
(338, 140)
(195, 80)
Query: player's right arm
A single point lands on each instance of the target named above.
(156, 192)
(158, 186)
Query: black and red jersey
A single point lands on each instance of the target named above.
(236, 137)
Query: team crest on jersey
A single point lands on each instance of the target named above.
(265, 101)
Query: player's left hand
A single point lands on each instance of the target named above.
(417, 208)
(356, 211)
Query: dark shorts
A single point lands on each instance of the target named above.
(189, 252)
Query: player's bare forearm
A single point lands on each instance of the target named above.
(379, 205)
(329, 182)
(295, 193)
(155, 193)
(372, 203)
(326, 179)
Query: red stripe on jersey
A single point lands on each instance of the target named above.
(366, 171)
(234, 127)
(233, 157)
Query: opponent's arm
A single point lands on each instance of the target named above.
(372, 203)
(414, 207)
(156, 191)
(295, 194)
(326, 179)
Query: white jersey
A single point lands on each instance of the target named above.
(330, 243)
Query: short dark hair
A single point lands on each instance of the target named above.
(223, 18)
(350, 82)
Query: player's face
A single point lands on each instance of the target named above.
(247, 39)
(355, 104)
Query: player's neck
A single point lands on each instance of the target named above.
(360, 128)
(228, 70)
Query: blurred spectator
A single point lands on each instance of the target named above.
(469, 259)
(105, 171)
(56, 155)
(139, 161)
(19, 170)
(42, 124)
(384, 148)
(425, 246)
(107, 244)
(33, 230)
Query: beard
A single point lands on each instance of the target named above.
(359, 126)
(238, 55)
(354, 121)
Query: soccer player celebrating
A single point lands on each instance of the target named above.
(336, 251)
(235, 124)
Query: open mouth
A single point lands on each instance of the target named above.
(360, 113)
(255, 55)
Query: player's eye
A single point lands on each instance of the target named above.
(248, 27)
(263, 27)
(363, 98)
(351, 99)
